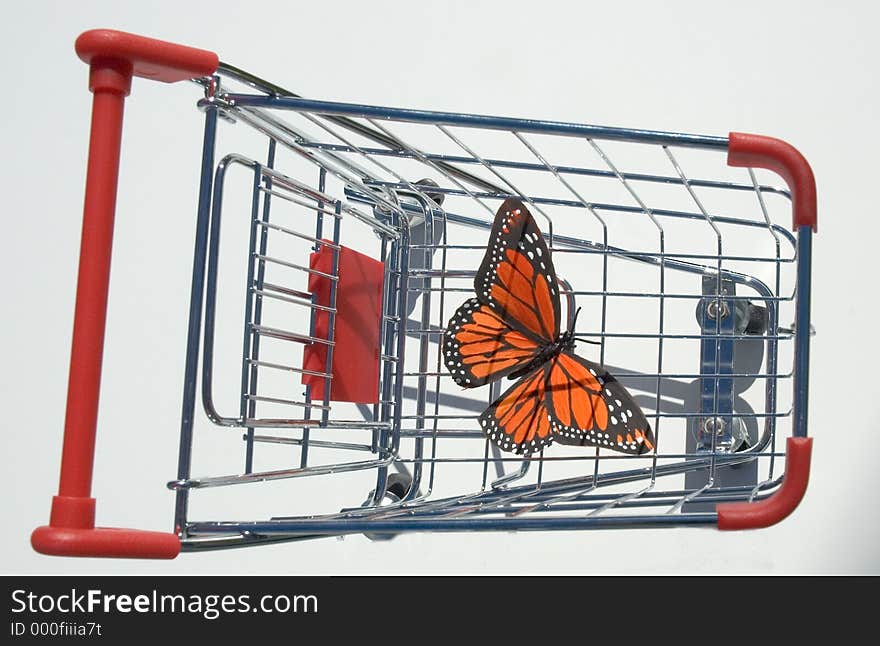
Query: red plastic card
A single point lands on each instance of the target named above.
(355, 361)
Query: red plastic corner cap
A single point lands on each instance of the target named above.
(771, 510)
(105, 542)
(149, 58)
(758, 151)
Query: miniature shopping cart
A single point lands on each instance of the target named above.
(351, 233)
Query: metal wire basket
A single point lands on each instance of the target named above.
(696, 292)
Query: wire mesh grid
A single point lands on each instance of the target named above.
(683, 273)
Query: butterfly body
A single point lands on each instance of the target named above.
(512, 328)
(546, 353)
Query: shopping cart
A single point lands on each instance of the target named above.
(351, 233)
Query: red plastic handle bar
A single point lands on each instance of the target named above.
(758, 151)
(114, 57)
(771, 510)
(145, 57)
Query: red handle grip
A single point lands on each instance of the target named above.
(114, 57)
(784, 159)
(771, 510)
(146, 57)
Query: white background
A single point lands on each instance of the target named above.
(802, 71)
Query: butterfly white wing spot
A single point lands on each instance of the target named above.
(629, 412)
(608, 392)
(610, 408)
(614, 420)
(618, 402)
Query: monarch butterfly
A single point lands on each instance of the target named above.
(511, 329)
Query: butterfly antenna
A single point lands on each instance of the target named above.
(579, 337)
(575, 336)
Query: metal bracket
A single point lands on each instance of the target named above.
(723, 320)
(716, 426)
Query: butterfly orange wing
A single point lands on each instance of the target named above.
(516, 311)
(588, 406)
(571, 401)
(479, 346)
(517, 278)
(519, 420)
